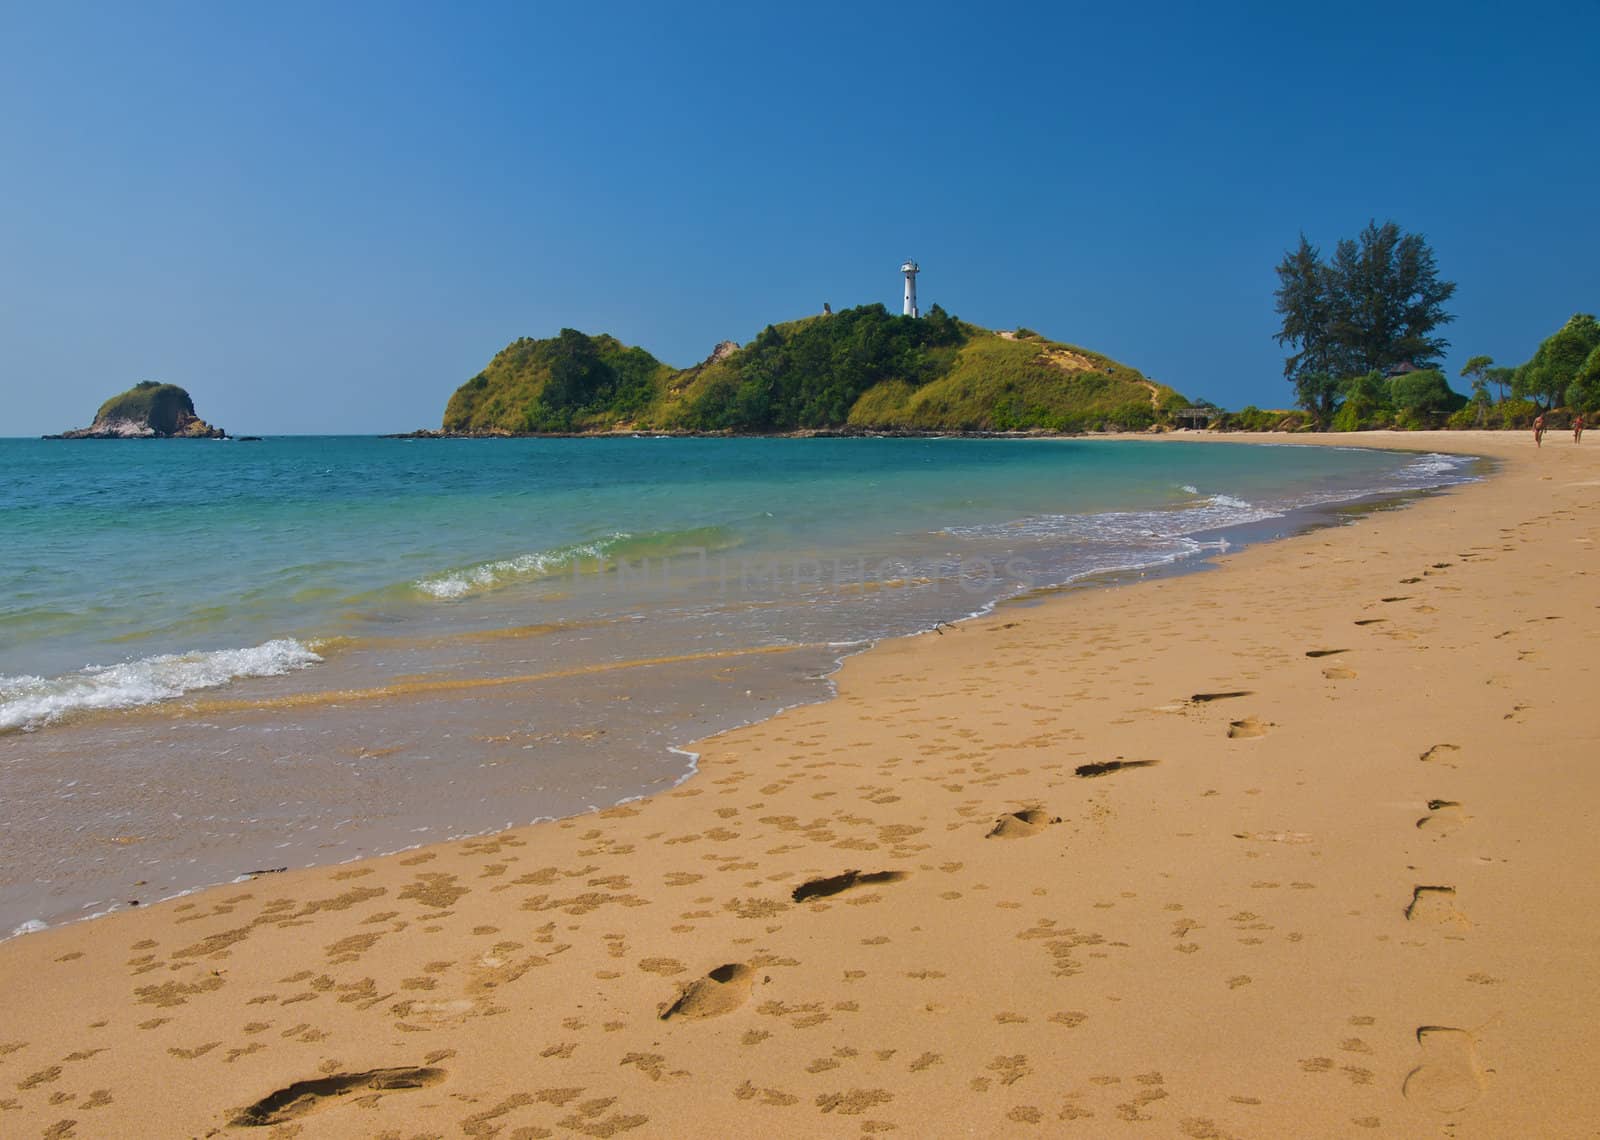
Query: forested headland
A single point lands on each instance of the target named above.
(1363, 326)
(862, 369)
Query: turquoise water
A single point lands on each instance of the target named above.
(217, 656)
(114, 551)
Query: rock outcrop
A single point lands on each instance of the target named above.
(147, 411)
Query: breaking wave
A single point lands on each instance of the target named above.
(595, 556)
(1209, 513)
(32, 702)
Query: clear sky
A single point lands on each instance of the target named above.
(322, 217)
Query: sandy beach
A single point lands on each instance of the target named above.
(1297, 846)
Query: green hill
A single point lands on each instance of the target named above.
(860, 369)
(571, 382)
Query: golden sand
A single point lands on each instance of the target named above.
(1302, 846)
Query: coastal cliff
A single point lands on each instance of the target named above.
(859, 370)
(148, 410)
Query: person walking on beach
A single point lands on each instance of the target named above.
(1538, 430)
(1577, 428)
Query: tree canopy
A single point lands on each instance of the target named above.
(557, 384)
(1377, 303)
(810, 374)
(1583, 394)
(1565, 368)
(1424, 392)
(1480, 372)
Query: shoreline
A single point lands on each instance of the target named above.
(858, 952)
(148, 883)
(923, 433)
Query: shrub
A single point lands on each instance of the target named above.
(1424, 393)
(1347, 418)
(1514, 413)
(1366, 404)
(1253, 418)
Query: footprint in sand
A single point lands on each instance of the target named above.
(1444, 818)
(721, 991)
(844, 881)
(1439, 752)
(1325, 652)
(1022, 824)
(501, 966)
(1339, 673)
(1449, 1077)
(441, 1013)
(1274, 836)
(304, 1097)
(1207, 698)
(1435, 906)
(1248, 729)
(1106, 767)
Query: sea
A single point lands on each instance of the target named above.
(223, 658)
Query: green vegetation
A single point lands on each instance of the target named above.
(1480, 372)
(164, 407)
(809, 374)
(571, 382)
(1562, 376)
(1409, 401)
(1252, 418)
(1371, 310)
(858, 369)
(998, 384)
(1564, 369)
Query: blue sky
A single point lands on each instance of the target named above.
(323, 217)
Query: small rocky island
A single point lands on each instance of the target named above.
(148, 410)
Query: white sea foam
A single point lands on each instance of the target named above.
(1215, 511)
(1209, 513)
(1432, 465)
(30, 702)
(1427, 472)
(524, 567)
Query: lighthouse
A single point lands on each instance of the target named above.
(910, 270)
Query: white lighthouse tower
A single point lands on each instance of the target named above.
(910, 270)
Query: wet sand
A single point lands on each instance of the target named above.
(1295, 847)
